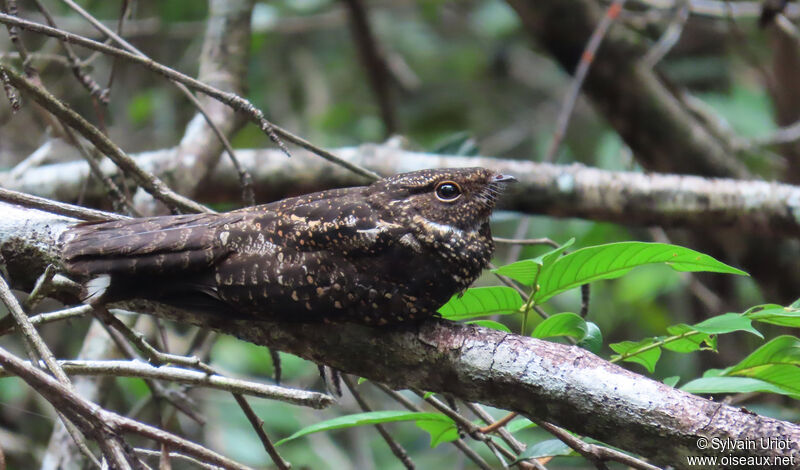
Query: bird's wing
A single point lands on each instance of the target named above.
(314, 257)
(338, 220)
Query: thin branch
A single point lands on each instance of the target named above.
(153, 355)
(30, 335)
(670, 36)
(458, 443)
(7, 327)
(464, 423)
(579, 76)
(55, 207)
(592, 452)
(236, 102)
(135, 368)
(41, 289)
(246, 180)
(507, 437)
(258, 426)
(177, 398)
(152, 184)
(37, 349)
(374, 63)
(177, 456)
(96, 420)
(720, 9)
(11, 93)
(97, 92)
(43, 318)
(395, 447)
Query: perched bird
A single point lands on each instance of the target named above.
(390, 252)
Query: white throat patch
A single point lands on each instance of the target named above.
(442, 229)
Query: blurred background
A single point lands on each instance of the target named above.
(465, 78)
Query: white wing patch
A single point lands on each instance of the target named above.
(96, 287)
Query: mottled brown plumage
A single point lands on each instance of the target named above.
(390, 252)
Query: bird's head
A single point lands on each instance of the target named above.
(461, 198)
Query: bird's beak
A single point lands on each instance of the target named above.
(504, 179)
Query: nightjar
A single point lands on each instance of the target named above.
(390, 252)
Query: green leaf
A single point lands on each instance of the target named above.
(561, 324)
(691, 342)
(615, 259)
(593, 341)
(361, 380)
(490, 324)
(726, 323)
(548, 448)
(525, 271)
(781, 350)
(361, 419)
(440, 431)
(630, 352)
(775, 314)
(775, 362)
(711, 385)
(427, 395)
(672, 380)
(482, 301)
(519, 424)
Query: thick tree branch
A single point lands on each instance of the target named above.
(562, 384)
(758, 207)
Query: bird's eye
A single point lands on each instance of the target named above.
(448, 191)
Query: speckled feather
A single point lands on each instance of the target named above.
(389, 252)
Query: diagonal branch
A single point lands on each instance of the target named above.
(660, 131)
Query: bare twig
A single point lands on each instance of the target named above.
(374, 63)
(238, 103)
(177, 456)
(396, 448)
(153, 355)
(37, 349)
(720, 8)
(41, 289)
(97, 92)
(149, 182)
(96, 420)
(459, 443)
(509, 439)
(580, 75)
(464, 423)
(55, 207)
(140, 369)
(594, 453)
(42, 318)
(670, 37)
(10, 92)
(246, 180)
(258, 426)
